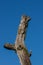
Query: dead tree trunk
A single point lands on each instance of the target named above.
(19, 46)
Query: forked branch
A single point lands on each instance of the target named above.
(19, 45)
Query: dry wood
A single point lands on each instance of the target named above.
(19, 45)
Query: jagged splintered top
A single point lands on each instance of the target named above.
(25, 19)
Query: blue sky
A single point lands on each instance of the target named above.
(10, 14)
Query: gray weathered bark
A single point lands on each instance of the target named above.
(19, 46)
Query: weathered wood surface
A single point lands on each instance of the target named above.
(19, 46)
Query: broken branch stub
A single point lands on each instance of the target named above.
(19, 45)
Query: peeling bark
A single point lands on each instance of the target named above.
(19, 45)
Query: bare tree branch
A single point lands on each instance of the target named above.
(19, 45)
(9, 46)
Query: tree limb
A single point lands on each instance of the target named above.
(9, 46)
(19, 45)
